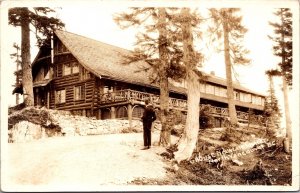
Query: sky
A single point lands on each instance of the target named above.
(94, 20)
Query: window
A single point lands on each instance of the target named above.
(66, 69)
(210, 89)
(236, 95)
(257, 100)
(75, 68)
(60, 96)
(263, 101)
(248, 98)
(223, 92)
(58, 70)
(70, 68)
(202, 87)
(79, 93)
(84, 74)
(60, 48)
(217, 90)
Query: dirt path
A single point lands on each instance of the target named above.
(77, 163)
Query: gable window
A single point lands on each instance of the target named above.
(75, 68)
(84, 74)
(60, 48)
(60, 96)
(66, 69)
(70, 68)
(79, 92)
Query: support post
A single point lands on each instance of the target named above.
(48, 99)
(99, 114)
(112, 112)
(129, 113)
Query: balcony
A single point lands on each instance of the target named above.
(137, 97)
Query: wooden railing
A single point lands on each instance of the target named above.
(180, 104)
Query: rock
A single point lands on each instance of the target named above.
(25, 131)
(237, 162)
(176, 168)
(64, 123)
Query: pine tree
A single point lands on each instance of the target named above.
(271, 109)
(283, 48)
(191, 60)
(18, 72)
(155, 45)
(37, 17)
(228, 24)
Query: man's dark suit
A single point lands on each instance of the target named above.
(148, 117)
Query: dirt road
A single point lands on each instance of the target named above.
(81, 163)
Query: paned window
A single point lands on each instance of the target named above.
(60, 96)
(79, 92)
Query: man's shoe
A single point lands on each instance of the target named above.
(145, 148)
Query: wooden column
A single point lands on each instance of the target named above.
(98, 114)
(112, 112)
(129, 113)
(48, 99)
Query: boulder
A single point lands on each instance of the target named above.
(25, 131)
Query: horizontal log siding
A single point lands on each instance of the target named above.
(68, 83)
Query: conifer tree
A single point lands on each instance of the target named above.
(155, 45)
(42, 25)
(191, 60)
(283, 48)
(18, 72)
(227, 25)
(271, 109)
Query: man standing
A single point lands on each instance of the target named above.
(147, 118)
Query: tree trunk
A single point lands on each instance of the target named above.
(285, 92)
(288, 122)
(164, 85)
(187, 142)
(26, 62)
(230, 93)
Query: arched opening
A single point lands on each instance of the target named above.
(137, 112)
(122, 112)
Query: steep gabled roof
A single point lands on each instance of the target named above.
(105, 60)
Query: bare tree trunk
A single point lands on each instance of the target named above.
(272, 121)
(285, 93)
(230, 93)
(165, 135)
(26, 63)
(187, 143)
(288, 122)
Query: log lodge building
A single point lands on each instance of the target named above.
(89, 78)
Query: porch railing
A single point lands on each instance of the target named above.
(180, 104)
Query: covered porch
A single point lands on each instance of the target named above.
(129, 103)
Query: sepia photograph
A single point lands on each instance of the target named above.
(143, 95)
